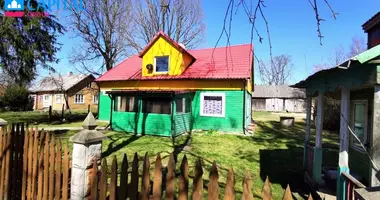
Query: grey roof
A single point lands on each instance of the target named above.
(58, 83)
(277, 91)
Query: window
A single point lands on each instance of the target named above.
(359, 123)
(89, 85)
(157, 105)
(58, 98)
(125, 104)
(212, 104)
(41, 97)
(79, 98)
(46, 97)
(95, 99)
(183, 105)
(162, 64)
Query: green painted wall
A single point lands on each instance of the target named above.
(182, 123)
(233, 120)
(104, 107)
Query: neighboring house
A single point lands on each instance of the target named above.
(278, 98)
(79, 90)
(167, 90)
(356, 83)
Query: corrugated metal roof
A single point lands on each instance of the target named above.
(232, 62)
(277, 91)
(57, 83)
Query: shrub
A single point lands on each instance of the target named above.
(16, 98)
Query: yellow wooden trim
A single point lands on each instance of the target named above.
(174, 85)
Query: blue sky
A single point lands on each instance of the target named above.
(292, 27)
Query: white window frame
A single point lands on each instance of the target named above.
(76, 101)
(154, 66)
(352, 144)
(55, 98)
(93, 99)
(212, 94)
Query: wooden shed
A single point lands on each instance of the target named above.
(278, 98)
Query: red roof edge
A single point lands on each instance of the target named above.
(167, 38)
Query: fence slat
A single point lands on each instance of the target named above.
(198, 181)
(267, 193)
(30, 163)
(145, 185)
(51, 167)
(123, 192)
(40, 166)
(247, 186)
(65, 177)
(288, 194)
(103, 181)
(213, 187)
(1, 161)
(25, 166)
(170, 178)
(134, 178)
(7, 163)
(14, 157)
(58, 173)
(35, 164)
(229, 193)
(94, 181)
(157, 182)
(113, 184)
(46, 167)
(20, 158)
(310, 197)
(183, 180)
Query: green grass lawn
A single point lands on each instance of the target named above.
(272, 151)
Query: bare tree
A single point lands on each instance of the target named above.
(181, 20)
(339, 54)
(358, 45)
(103, 26)
(277, 72)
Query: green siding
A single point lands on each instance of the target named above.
(182, 123)
(104, 107)
(141, 123)
(233, 120)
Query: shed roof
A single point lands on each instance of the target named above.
(231, 62)
(277, 91)
(59, 82)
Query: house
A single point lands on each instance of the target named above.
(356, 83)
(76, 90)
(167, 90)
(278, 98)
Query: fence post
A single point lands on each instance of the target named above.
(87, 149)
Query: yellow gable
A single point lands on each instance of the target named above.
(162, 58)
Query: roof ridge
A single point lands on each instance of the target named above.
(236, 45)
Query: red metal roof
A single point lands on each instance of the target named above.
(232, 62)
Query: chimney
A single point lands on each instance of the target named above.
(70, 73)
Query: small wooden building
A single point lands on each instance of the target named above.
(278, 98)
(356, 83)
(167, 90)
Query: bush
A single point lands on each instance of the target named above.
(16, 98)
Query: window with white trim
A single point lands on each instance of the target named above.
(58, 98)
(79, 98)
(213, 104)
(161, 64)
(359, 122)
(95, 99)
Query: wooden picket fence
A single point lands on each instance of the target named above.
(33, 165)
(103, 187)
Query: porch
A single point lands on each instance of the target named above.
(163, 113)
(355, 84)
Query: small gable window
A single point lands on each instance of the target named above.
(161, 64)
